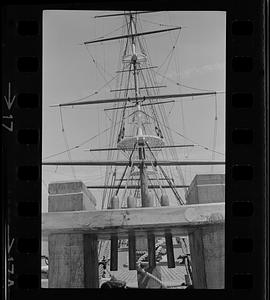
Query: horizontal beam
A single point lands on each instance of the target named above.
(180, 220)
(146, 104)
(138, 69)
(131, 35)
(125, 163)
(126, 14)
(135, 186)
(141, 88)
(141, 98)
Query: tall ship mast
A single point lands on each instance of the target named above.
(142, 166)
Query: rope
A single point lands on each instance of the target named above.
(158, 200)
(113, 130)
(170, 139)
(181, 84)
(178, 197)
(197, 144)
(126, 168)
(100, 37)
(215, 133)
(77, 146)
(97, 65)
(96, 92)
(177, 65)
(162, 112)
(160, 24)
(173, 48)
(66, 142)
(82, 143)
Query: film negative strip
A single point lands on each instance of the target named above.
(246, 170)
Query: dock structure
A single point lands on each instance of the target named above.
(70, 254)
(73, 228)
(207, 244)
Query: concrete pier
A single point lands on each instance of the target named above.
(207, 245)
(73, 259)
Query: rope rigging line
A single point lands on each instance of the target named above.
(151, 106)
(158, 181)
(177, 65)
(66, 142)
(157, 197)
(113, 131)
(196, 144)
(181, 102)
(178, 197)
(125, 95)
(113, 179)
(97, 65)
(149, 73)
(81, 144)
(215, 132)
(172, 52)
(169, 19)
(151, 22)
(169, 136)
(100, 37)
(169, 54)
(130, 157)
(126, 185)
(181, 84)
(178, 83)
(106, 82)
(168, 133)
(96, 92)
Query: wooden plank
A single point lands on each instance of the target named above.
(103, 222)
(169, 250)
(131, 203)
(90, 249)
(114, 239)
(114, 253)
(131, 251)
(151, 250)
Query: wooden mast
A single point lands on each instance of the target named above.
(141, 149)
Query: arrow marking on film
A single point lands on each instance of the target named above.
(8, 99)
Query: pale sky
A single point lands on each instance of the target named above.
(69, 74)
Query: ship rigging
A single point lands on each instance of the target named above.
(141, 152)
(140, 133)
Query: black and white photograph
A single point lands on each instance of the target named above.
(133, 149)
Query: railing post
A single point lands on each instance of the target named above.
(207, 245)
(73, 257)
